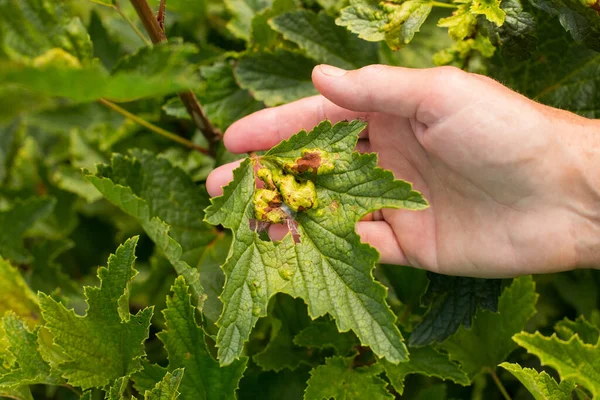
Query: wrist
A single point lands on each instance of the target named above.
(580, 140)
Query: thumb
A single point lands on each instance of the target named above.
(425, 94)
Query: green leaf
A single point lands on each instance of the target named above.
(167, 389)
(461, 24)
(329, 268)
(338, 379)
(16, 295)
(186, 346)
(491, 9)
(574, 360)
(488, 342)
(396, 23)
(17, 221)
(322, 40)
(46, 274)
(8, 138)
(29, 366)
(541, 385)
(30, 28)
(118, 389)
(152, 71)
(106, 343)
(453, 301)
(276, 78)
(166, 203)
(579, 18)
(517, 36)
(243, 11)
(324, 334)
(425, 361)
(223, 100)
(587, 332)
(564, 72)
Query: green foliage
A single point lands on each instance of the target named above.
(236, 314)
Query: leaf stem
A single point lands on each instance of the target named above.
(443, 5)
(132, 25)
(152, 127)
(189, 99)
(499, 384)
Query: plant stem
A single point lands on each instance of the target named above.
(132, 25)
(189, 99)
(443, 5)
(499, 384)
(152, 127)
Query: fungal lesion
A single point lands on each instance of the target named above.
(312, 161)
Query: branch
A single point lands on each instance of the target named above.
(189, 99)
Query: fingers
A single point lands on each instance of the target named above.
(266, 128)
(394, 90)
(220, 177)
(380, 235)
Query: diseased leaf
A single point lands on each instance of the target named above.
(394, 22)
(16, 221)
(338, 379)
(30, 28)
(329, 268)
(425, 361)
(488, 342)
(453, 301)
(167, 389)
(186, 346)
(491, 9)
(106, 343)
(16, 295)
(573, 359)
(324, 41)
(166, 203)
(29, 366)
(541, 385)
(276, 78)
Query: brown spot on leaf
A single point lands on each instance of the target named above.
(309, 162)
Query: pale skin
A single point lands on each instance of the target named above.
(513, 185)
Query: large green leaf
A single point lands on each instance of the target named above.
(108, 342)
(453, 301)
(541, 385)
(153, 71)
(338, 379)
(324, 41)
(168, 205)
(243, 12)
(573, 359)
(489, 341)
(329, 268)
(276, 78)
(186, 346)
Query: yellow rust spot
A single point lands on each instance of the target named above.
(267, 206)
(313, 161)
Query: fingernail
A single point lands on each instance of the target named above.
(330, 70)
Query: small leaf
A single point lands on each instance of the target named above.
(243, 12)
(323, 41)
(16, 295)
(587, 332)
(276, 78)
(338, 379)
(488, 342)
(491, 9)
(461, 24)
(425, 361)
(541, 385)
(106, 343)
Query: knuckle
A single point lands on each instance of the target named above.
(448, 78)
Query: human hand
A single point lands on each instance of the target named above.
(508, 179)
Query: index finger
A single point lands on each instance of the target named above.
(266, 128)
